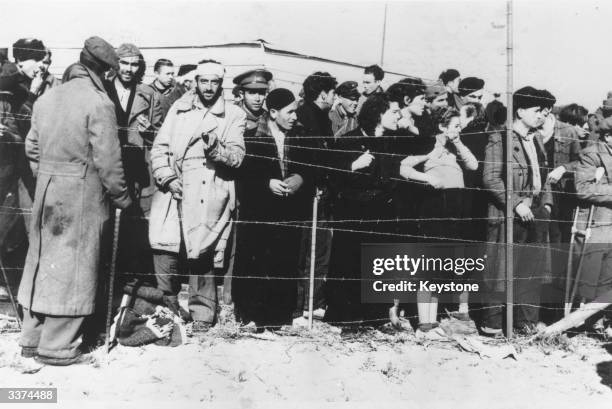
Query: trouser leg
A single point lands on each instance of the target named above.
(202, 289)
(31, 329)
(166, 266)
(60, 337)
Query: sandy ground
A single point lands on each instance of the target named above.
(225, 368)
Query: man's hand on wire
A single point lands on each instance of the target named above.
(524, 212)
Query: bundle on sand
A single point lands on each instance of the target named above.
(149, 317)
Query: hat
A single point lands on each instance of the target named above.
(253, 79)
(210, 67)
(435, 90)
(279, 98)
(128, 50)
(29, 49)
(469, 85)
(527, 97)
(101, 51)
(10, 76)
(348, 89)
(186, 68)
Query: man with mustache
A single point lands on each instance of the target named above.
(139, 115)
(194, 153)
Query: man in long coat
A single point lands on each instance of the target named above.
(272, 190)
(74, 151)
(199, 143)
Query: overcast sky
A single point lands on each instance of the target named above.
(561, 46)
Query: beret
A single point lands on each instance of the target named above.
(101, 51)
(128, 50)
(348, 89)
(527, 97)
(435, 90)
(254, 79)
(279, 98)
(469, 85)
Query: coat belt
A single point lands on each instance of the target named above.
(71, 169)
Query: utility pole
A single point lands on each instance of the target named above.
(384, 34)
(509, 210)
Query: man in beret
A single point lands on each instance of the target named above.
(74, 150)
(139, 116)
(271, 190)
(532, 203)
(344, 115)
(470, 91)
(193, 158)
(253, 86)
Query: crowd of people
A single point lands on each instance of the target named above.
(213, 184)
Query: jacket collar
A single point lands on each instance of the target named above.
(191, 101)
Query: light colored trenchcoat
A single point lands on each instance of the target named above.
(181, 152)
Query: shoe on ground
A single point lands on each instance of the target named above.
(317, 314)
(29, 352)
(249, 327)
(461, 316)
(81, 359)
(300, 322)
(200, 327)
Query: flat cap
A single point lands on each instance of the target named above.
(348, 89)
(102, 51)
(128, 50)
(253, 79)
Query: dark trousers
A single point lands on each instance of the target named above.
(530, 264)
(202, 288)
(53, 336)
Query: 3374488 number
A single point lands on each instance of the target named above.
(29, 394)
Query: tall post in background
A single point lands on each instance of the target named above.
(384, 34)
(509, 187)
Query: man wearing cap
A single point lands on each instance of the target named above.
(74, 150)
(344, 115)
(271, 189)
(139, 115)
(470, 91)
(253, 89)
(532, 202)
(193, 155)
